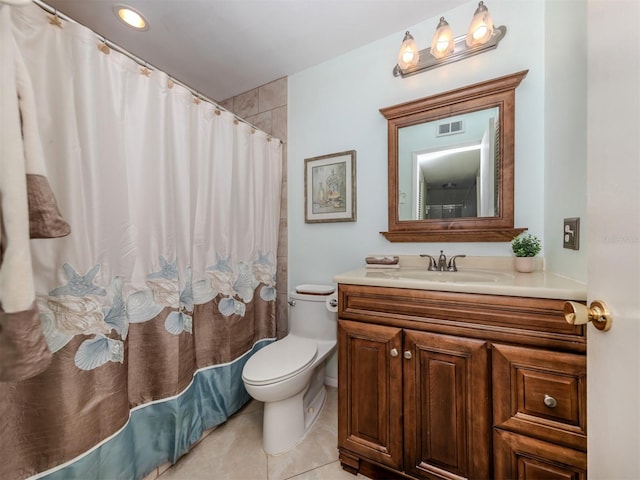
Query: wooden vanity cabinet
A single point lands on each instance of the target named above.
(453, 385)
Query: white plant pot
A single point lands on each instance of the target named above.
(525, 264)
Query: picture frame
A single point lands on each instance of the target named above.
(330, 188)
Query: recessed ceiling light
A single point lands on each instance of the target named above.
(131, 17)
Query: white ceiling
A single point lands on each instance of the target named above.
(222, 48)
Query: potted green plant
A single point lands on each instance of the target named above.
(525, 247)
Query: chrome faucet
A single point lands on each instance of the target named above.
(441, 265)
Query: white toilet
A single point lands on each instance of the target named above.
(288, 375)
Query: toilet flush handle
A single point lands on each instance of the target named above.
(292, 303)
(333, 302)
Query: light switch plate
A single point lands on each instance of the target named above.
(571, 233)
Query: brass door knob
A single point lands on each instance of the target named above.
(578, 314)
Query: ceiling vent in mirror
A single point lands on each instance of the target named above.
(450, 128)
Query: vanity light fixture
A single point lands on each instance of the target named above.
(131, 17)
(481, 37)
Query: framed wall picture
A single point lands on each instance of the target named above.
(330, 188)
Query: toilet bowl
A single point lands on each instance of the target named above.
(288, 375)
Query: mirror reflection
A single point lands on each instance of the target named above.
(448, 168)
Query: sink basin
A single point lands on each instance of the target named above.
(464, 276)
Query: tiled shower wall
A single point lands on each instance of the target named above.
(266, 108)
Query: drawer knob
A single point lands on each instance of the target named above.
(394, 352)
(407, 355)
(550, 402)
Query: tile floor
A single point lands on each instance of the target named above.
(233, 451)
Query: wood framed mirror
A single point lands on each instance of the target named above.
(451, 165)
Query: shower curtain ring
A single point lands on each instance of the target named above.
(103, 47)
(145, 71)
(55, 20)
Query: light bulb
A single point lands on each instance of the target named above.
(480, 32)
(408, 56)
(442, 43)
(481, 28)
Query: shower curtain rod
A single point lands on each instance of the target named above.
(54, 11)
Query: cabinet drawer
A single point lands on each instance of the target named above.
(525, 458)
(540, 393)
(535, 322)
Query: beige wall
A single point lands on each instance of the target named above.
(266, 108)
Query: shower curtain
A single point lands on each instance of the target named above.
(166, 284)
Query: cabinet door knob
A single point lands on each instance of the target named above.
(550, 402)
(407, 355)
(394, 352)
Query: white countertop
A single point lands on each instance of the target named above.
(486, 275)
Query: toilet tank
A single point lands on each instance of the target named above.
(310, 316)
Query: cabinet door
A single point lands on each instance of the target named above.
(525, 458)
(447, 410)
(370, 392)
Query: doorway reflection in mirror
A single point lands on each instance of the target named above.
(450, 167)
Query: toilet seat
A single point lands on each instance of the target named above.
(280, 360)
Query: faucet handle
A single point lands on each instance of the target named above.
(452, 263)
(432, 262)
